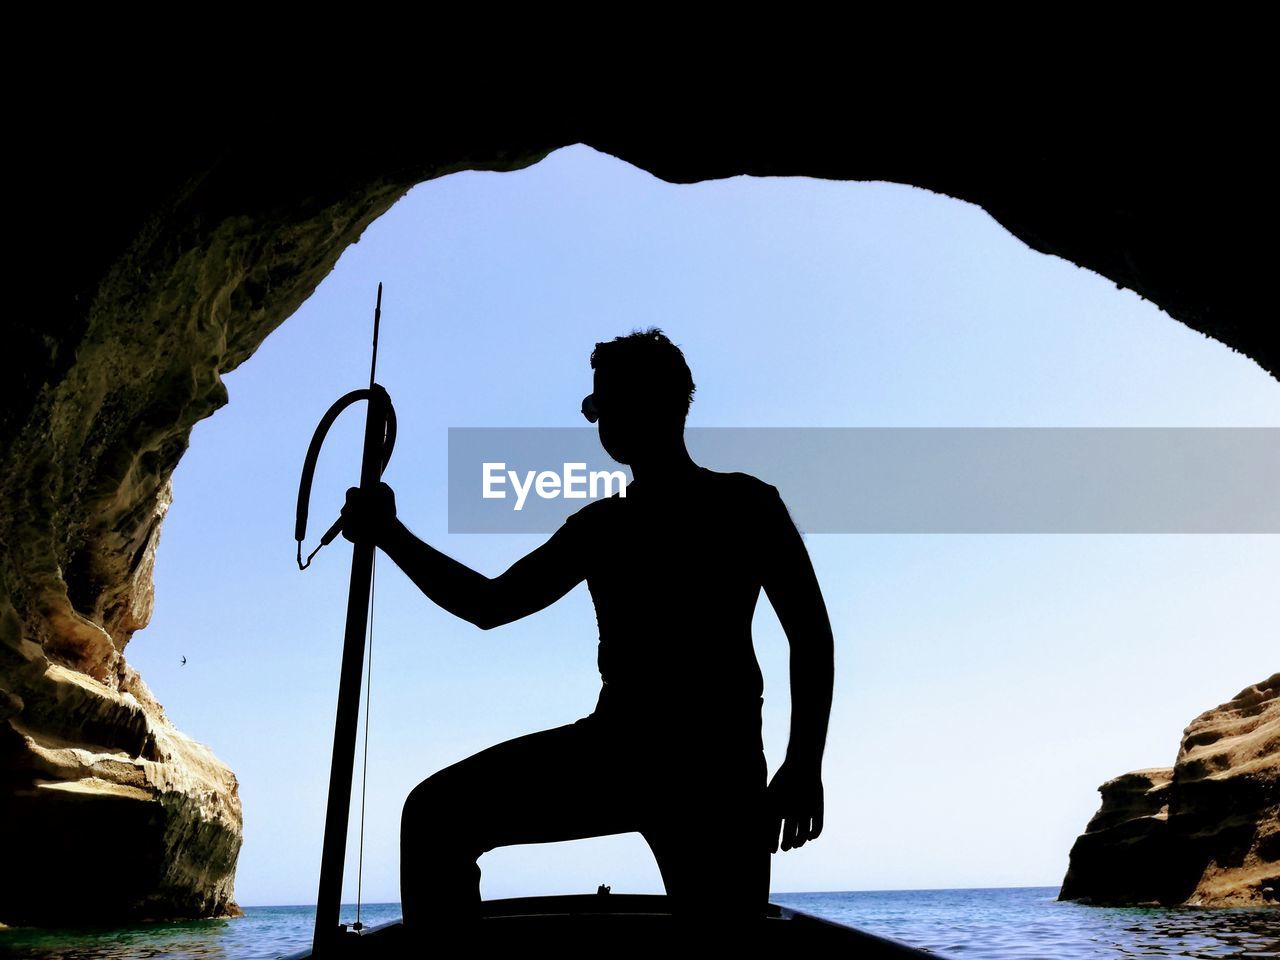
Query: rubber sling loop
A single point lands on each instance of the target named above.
(377, 395)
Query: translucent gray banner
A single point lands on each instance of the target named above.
(904, 479)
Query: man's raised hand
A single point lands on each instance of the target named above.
(371, 517)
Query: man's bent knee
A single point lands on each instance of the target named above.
(435, 820)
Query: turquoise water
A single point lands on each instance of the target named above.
(1022, 923)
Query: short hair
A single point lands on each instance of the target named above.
(650, 361)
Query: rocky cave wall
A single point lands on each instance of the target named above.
(187, 253)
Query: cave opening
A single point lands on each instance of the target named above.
(489, 317)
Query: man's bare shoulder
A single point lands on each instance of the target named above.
(736, 482)
(757, 498)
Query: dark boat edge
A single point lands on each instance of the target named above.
(596, 917)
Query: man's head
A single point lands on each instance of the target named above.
(645, 373)
(643, 389)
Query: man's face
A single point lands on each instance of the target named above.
(630, 425)
(620, 422)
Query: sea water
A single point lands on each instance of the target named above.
(1029, 923)
(1017, 923)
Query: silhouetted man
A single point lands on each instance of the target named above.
(673, 749)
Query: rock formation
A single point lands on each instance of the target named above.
(168, 249)
(1205, 832)
(107, 812)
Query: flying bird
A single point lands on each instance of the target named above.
(184, 661)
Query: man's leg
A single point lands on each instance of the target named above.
(556, 784)
(710, 839)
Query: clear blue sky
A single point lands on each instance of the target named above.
(986, 684)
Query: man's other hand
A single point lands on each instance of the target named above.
(795, 804)
(371, 517)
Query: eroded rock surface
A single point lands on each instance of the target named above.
(1205, 832)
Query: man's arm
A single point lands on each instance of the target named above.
(535, 581)
(792, 587)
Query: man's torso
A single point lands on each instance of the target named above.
(675, 576)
